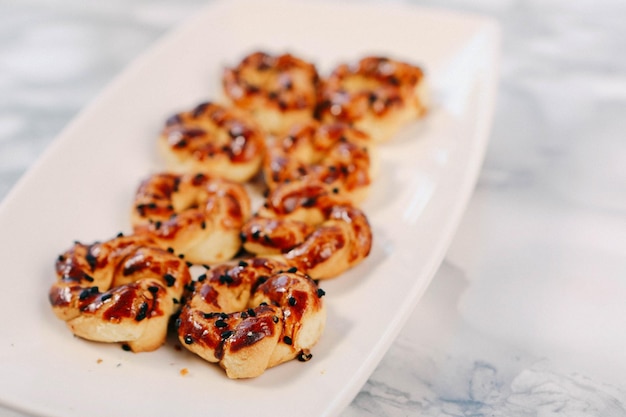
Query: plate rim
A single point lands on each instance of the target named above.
(136, 64)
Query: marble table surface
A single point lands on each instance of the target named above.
(527, 314)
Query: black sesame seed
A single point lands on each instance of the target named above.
(305, 356)
(143, 311)
(189, 264)
(200, 108)
(243, 264)
(87, 292)
(226, 279)
(169, 279)
(251, 312)
(188, 339)
(227, 334)
(181, 143)
(275, 319)
(220, 323)
(211, 315)
(170, 250)
(126, 347)
(153, 289)
(244, 315)
(106, 296)
(177, 323)
(181, 256)
(120, 234)
(91, 260)
(175, 300)
(207, 267)
(287, 340)
(201, 277)
(203, 225)
(88, 278)
(256, 234)
(263, 304)
(292, 269)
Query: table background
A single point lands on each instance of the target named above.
(527, 314)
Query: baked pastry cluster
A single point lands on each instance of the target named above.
(308, 141)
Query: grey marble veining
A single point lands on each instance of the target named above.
(526, 317)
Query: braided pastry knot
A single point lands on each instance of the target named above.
(213, 139)
(377, 95)
(195, 215)
(252, 315)
(308, 226)
(122, 290)
(278, 91)
(333, 153)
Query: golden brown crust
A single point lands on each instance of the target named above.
(198, 216)
(122, 290)
(278, 90)
(333, 153)
(251, 315)
(215, 140)
(376, 94)
(338, 236)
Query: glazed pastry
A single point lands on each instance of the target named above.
(334, 153)
(377, 95)
(278, 91)
(215, 140)
(252, 315)
(122, 290)
(197, 216)
(308, 226)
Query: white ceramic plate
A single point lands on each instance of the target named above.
(82, 190)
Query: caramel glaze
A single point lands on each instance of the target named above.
(283, 235)
(283, 82)
(288, 198)
(238, 306)
(212, 332)
(210, 130)
(388, 84)
(337, 235)
(334, 153)
(128, 277)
